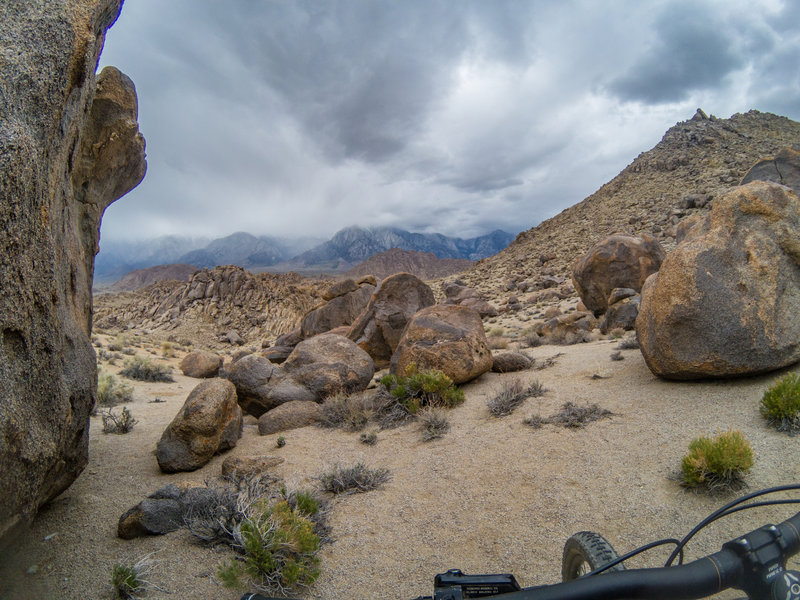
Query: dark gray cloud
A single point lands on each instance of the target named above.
(692, 49)
(458, 116)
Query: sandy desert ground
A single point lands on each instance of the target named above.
(492, 495)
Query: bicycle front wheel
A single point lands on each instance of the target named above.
(584, 552)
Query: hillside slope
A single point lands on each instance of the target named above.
(702, 156)
(424, 265)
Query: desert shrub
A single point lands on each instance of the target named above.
(354, 479)
(347, 412)
(130, 581)
(370, 439)
(389, 412)
(497, 343)
(547, 362)
(571, 415)
(111, 392)
(167, 350)
(142, 369)
(117, 423)
(277, 549)
(617, 356)
(629, 343)
(433, 423)
(531, 339)
(717, 463)
(511, 395)
(780, 404)
(423, 388)
(119, 343)
(280, 442)
(616, 333)
(496, 332)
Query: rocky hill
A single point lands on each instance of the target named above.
(136, 280)
(424, 265)
(695, 161)
(212, 305)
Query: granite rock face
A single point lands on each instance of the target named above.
(725, 303)
(69, 147)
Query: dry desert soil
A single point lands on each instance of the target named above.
(492, 495)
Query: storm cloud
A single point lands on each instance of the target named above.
(456, 116)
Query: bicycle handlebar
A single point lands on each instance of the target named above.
(752, 562)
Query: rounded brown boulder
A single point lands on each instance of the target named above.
(209, 422)
(291, 415)
(378, 328)
(725, 303)
(329, 363)
(444, 337)
(618, 261)
(201, 364)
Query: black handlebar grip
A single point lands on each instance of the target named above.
(790, 530)
(260, 597)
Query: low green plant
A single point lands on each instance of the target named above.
(370, 439)
(717, 463)
(111, 392)
(119, 343)
(143, 369)
(354, 479)
(418, 389)
(628, 343)
(168, 350)
(780, 404)
(277, 547)
(130, 581)
(280, 442)
(120, 424)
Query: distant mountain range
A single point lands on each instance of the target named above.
(343, 251)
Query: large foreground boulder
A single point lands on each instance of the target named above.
(726, 302)
(69, 147)
(618, 261)
(379, 327)
(209, 422)
(444, 337)
(262, 385)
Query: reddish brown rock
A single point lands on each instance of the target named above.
(209, 422)
(290, 415)
(508, 362)
(201, 364)
(444, 337)
(379, 327)
(618, 261)
(725, 303)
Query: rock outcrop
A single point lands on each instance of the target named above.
(290, 415)
(69, 147)
(783, 168)
(618, 261)
(209, 422)
(448, 338)
(344, 302)
(725, 303)
(377, 330)
(165, 510)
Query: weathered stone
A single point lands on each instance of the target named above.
(621, 314)
(329, 363)
(618, 294)
(290, 339)
(339, 289)
(379, 327)
(618, 261)
(341, 309)
(290, 415)
(690, 227)
(165, 510)
(277, 354)
(567, 327)
(243, 467)
(444, 337)
(508, 362)
(483, 308)
(784, 168)
(251, 376)
(69, 147)
(201, 364)
(232, 337)
(728, 300)
(209, 422)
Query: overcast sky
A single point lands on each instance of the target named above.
(293, 118)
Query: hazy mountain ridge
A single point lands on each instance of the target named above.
(424, 265)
